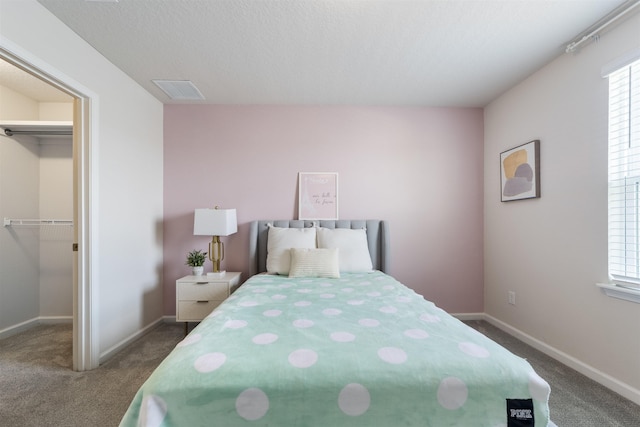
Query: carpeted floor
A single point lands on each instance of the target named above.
(576, 401)
(38, 387)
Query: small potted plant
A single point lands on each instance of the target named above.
(196, 259)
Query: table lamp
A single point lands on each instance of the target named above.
(215, 222)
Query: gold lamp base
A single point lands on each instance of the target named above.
(216, 254)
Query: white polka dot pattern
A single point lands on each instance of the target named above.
(252, 404)
(392, 355)
(369, 323)
(153, 411)
(538, 387)
(429, 318)
(272, 313)
(327, 296)
(303, 323)
(235, 324)
(248, 303)
(417, 334)
(350, 337)
(190, 339)
(216, 313)
(210, 362)
(264, 339)
(452, 393)
(342, 337)
(303, 358)
(302, 304)
(473, 350)
(354, 399)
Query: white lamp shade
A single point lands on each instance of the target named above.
(214, 222)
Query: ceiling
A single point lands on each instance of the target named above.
(455, 53)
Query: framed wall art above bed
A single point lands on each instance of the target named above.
(317, 195)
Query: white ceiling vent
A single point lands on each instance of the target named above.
(179, 89)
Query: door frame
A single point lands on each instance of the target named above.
(86, 349)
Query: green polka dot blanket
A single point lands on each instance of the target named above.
(361, 350)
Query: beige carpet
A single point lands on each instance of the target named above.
(576, 401)
(38, 387)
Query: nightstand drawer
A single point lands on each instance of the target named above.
(203, 291)
(192, 311)
(197, 296)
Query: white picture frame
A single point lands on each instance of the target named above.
(317, 195)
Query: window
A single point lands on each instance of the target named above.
(624, 174)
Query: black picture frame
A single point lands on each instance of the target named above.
(520, 172)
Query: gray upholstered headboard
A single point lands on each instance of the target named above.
(377, 237)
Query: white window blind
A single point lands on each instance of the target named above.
(624, 173)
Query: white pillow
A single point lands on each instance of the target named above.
(354, 250)
(314, 263)
(279, 242)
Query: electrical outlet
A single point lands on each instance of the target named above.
(512, 297)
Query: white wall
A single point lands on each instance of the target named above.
(19, 189)
(551, 251)
(19, 246)
(126, 270)
(55, 111)
(56, 202)
(16, 106)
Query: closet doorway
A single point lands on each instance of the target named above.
(85, 349)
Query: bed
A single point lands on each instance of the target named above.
(328, 345)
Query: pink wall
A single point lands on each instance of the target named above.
(419, 168)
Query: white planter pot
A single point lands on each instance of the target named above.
(197, 271)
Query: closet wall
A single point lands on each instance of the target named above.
(36, 281)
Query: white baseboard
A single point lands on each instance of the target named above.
(32, 323)
(110, 352)
(169, 319)
(53, 320)
(20, 327)
(468, 316)
(606, 380)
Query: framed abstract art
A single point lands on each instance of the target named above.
(520, 172)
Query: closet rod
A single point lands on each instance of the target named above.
(10, 222)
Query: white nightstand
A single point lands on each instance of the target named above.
(197, 296)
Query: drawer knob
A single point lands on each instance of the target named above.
(202, 301)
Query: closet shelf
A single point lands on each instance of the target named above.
(37, 222)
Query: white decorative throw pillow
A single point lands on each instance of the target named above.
(281, 240)
(314, 263)
(353, 247)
